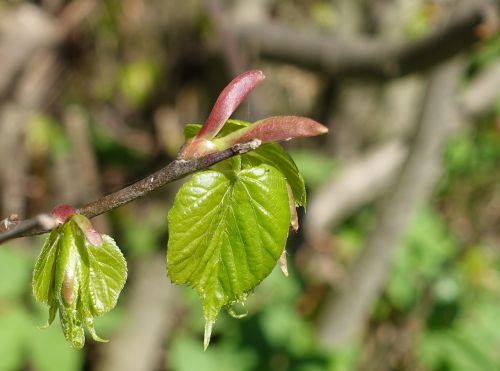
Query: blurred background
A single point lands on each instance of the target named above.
(396, 265)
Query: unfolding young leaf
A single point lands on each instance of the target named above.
(78, 279)
(107, 269)
(227, 229)
(43, 274)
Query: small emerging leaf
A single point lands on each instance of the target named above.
(108, 269)
(227, 230)
(78, 275)
(43, 274)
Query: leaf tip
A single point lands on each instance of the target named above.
(207, 334)
(283, 263)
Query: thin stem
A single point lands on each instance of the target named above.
(173, 171)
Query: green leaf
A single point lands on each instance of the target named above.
(227, 230)
(44, 272)
(190, 130)
(77, 278)
(273, 154)
(108, 270)
(270, 153)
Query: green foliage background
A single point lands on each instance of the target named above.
(443, 294)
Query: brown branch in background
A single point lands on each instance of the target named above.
(29, 68)
(366, 178)
(362, 182)
(173, 171)
(345, 314)
(74, 14)
(369, 58)
(482, 92)
(27, 30)
(233, 54)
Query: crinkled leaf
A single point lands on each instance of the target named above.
(108, 270)
(44, 272)
(77, 278)
(70, 275)
(227, 229)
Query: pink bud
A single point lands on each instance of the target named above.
(62, 212)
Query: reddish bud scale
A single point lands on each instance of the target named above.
(227, 102)
(62, 212)
(274, 129)
(201, 148)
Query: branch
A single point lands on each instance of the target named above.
(482, 92)
(345, 314)
(360, 183)
(369, 58)
(175, 170)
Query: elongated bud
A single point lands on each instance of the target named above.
(274, 129)
(227, 102)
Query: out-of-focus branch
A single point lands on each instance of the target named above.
(27, 29)
(362, 182)
(345, 314)
(366, 179)
(233, 54)
(173, 171)
(369, 58)
(23, 31)
(482, 92)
